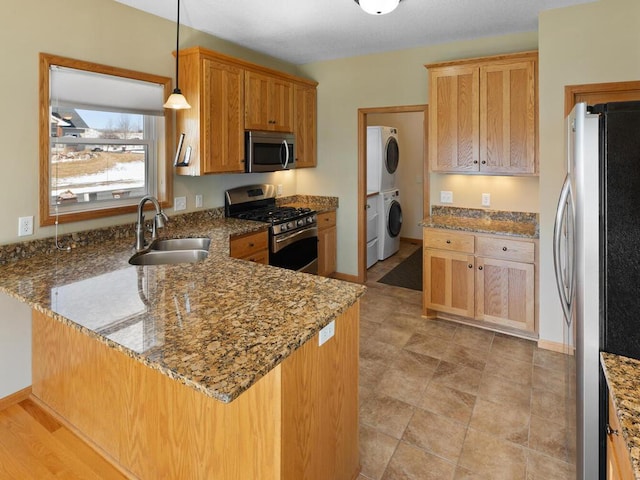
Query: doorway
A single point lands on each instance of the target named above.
(364, 116)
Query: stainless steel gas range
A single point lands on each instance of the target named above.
(293, 232)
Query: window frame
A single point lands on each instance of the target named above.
(164, 169)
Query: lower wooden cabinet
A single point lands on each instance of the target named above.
(489, 279)
(448, 282)
(327, 243)
(618, 460)
(253, 247)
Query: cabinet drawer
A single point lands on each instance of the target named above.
(519, 251)
(326, 220)
(458, 242)
(246, 245)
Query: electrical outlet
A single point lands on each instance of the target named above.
(25, 226)
(446, 196)
(279, 189)
(326, 333)
(179, 203)
(486, 199)
(198, 201)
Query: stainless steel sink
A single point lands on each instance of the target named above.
(171, 251)
(200, 243)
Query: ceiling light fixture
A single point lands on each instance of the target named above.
(378, 7)
(176, 100)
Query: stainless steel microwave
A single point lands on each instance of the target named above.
(269, 151)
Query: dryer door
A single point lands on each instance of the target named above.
(391, 155)
(394, 221)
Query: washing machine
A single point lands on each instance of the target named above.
(383, 155)
(390, 223)
(372, 230)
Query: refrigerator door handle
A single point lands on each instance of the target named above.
(565, 278)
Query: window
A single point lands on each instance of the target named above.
(103, 145)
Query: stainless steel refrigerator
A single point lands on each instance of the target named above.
(597, 259)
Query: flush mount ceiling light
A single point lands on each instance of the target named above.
(378, 7)
(176, 100)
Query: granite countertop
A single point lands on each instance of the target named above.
(216, 326)
(623, 380)
(514, 224)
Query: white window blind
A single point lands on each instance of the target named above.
(81, 88)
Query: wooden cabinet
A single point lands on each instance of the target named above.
(327, 243)
(305, 129)
(253, 247)
(483, 115)
(300, 420)
(618, 460)
(213, 126)
(268, 102)
(489, 279)
(448, 282)
(227, 96)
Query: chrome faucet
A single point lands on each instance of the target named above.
(158, 221)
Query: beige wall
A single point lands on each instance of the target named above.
(380, 80)
(410, 127)
(591, 43)
(101, 31)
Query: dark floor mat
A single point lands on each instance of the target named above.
(408, 273)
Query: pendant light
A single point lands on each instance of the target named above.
(176, 100)
(378, 7)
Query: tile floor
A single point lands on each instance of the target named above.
(441, 400)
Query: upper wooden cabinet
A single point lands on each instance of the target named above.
(305, 113)
(227, 96)
(483, 115)
(268, 102)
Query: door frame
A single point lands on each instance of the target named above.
(575, 93)
(362, 174)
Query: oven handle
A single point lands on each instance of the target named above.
(283, 241)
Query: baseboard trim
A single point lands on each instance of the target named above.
(15, 397)
(89, 442)
(417, 241)
(555, 347)
(346, 277)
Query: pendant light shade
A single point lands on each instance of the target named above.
(176, 100)
(378, 7)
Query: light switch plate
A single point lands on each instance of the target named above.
(179, 203)
(446, 196)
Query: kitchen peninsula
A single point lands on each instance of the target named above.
(204, 370)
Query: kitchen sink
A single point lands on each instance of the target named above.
(168, 244)
(173, 251)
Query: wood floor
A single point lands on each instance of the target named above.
(34, 445)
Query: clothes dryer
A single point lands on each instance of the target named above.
(383, 155)
(390, 214)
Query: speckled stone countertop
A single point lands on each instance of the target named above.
(216, 326)
(497, 222)
(623, 380)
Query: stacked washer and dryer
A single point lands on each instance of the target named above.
(384, 211)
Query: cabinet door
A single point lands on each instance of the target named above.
(448, 282)
(268, 103)
(305, 103)
(327, 251)
(618, 460)
(508, 118)
(505, 293)
(453, 119)
(222, 127)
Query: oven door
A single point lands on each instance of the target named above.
(296, 251)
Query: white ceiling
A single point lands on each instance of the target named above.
(304, 31)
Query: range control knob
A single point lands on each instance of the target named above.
(309, 219)
(300, 222)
